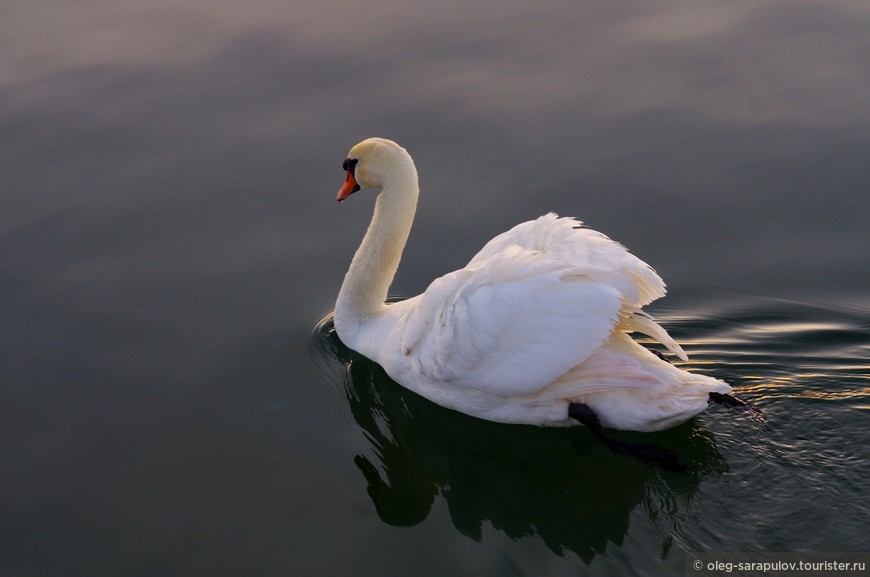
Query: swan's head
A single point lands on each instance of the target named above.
(372, 164)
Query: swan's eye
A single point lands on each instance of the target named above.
(349, 164)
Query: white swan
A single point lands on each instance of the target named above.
(534, 327)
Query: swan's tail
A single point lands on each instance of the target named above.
(632, 389)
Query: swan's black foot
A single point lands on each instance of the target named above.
(649, 454)
(732, 402)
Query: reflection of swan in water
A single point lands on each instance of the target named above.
(560, 484)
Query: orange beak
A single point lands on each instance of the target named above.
(349, 187)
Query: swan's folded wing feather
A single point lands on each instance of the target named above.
(510, 338)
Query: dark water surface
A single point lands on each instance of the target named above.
(169, 237)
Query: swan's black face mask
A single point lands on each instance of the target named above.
(350, 184)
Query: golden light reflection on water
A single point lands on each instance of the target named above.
(791, 328)
(821, 359)
(763, 388)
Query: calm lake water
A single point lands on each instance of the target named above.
(172, 404)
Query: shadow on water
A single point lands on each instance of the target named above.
(560, 484)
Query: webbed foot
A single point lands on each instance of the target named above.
(649, 454)
(733, 402)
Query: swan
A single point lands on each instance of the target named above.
(535, 329)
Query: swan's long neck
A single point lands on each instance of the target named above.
(374, 265)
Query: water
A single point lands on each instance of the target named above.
(169, 237)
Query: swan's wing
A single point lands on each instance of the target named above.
(533, 304)
(511, 338)
(567, 241)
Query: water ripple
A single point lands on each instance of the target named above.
(805, 366)
(771, 349)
